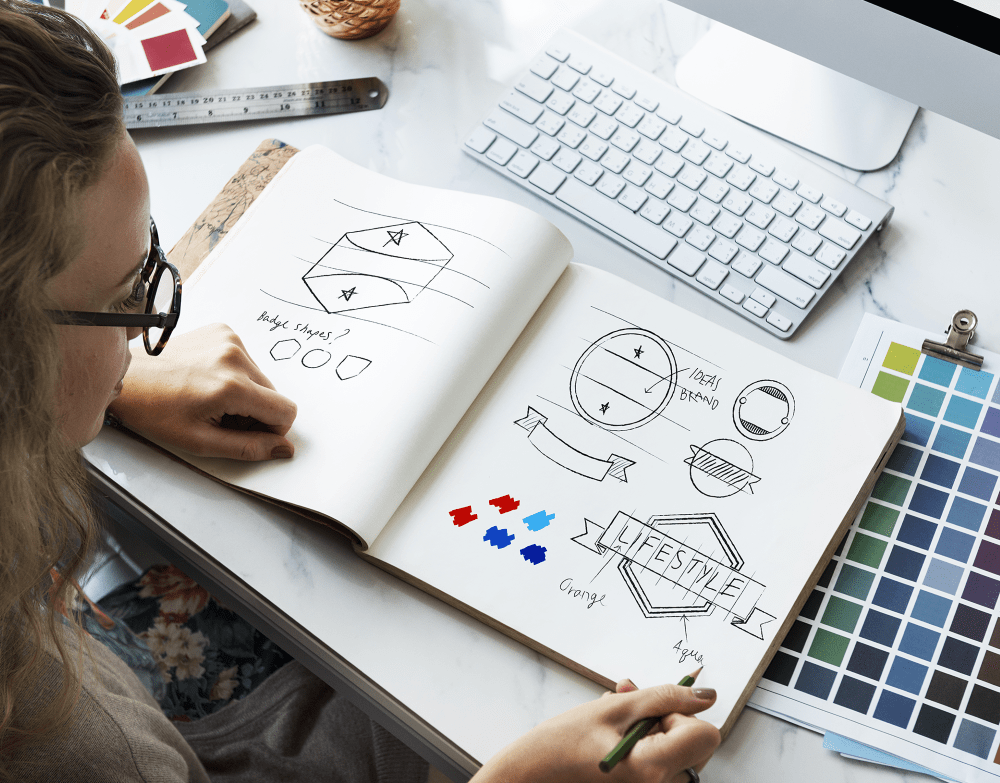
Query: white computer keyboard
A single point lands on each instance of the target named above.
(709, 199)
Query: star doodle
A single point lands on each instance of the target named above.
(346, 295)
(638, 352)
(395, 237)
(605, 406)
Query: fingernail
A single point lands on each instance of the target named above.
(627, 686)
(703, 693)
(281, 452)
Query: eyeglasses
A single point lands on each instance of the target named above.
(156, 326)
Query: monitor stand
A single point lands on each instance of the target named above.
(807, 104)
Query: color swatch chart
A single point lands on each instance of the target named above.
(898, 646)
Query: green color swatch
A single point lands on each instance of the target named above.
(855, 582)
(891, 489)
(901, 358)
(890, 387)
(841, 614)
(867, 550)
(828, 647)
(879, 519)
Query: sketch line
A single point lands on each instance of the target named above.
(563, 454)
(678, 345)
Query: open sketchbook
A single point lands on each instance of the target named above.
(602, 475)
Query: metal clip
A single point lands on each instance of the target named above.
(960, 332)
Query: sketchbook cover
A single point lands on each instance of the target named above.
(638, 492)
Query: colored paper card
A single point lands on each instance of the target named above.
(130, 10)
(169, 52)
(154, 12)
(902, 641)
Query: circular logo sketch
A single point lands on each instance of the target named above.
(623, 380)
(721, 468)
(317, 357)
(763, 410)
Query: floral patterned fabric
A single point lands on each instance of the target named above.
(194, 654)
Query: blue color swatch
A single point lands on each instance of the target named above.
(951, 441)
(894, 708)
(880, 628)
(977, 483)
(919, 642)
(963, 412)
(892, 595)
(538, 520)
(904, 563)
(534, 554)
(975, 383)
(916, 531)
(498, 538)
(943, 576)
(986, 452)
(907, 675)
(928, 501)
(955, 544)
(918, 429)
(967, 513)
(940, 471)
(925, 399)
(933, 609)
(815, 680)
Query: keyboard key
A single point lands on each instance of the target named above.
(560, 102)
(593, 148)
(545, 148)
(737, 202)
(841, 233)
(810, 193)
(712, 275)
(807, 270)
(647, 151)
(632, 198)
(578, 63)
(762, 167)
(674, 139)
(669, 113)
(582, 114)
(736, 153)
(746, 264)
(558, 53)
(544, 66)
(522, 164)
(547, 178)
(681, 198)
(691, 177)
(766, 298)
(637, 174)
(830, 255)
(604, 127)
(723, 250)
(731, 293)
(858, 220)
(782, 229)
(550, 123)
(741, 177)
(786, 180)
(602, 77)
(480, 140)
(750, 238)
(714, 189)
(651, 127)
(669, 164)
(677, 224)
(785, 286)
(501, 151)
(773, 251)
(586, 90)
(778, 321)
(686, 259)
(834, 207)
(620, 221)
(610, 186)
(718, 164)
(727, 225)
(629, 115)
(505, 125)
(571, 136)
(654, 211)
(705, 212)
(755, 307)
(588, 172)
(696, 151)
(786, 203)
(759, 215)
(700, 237)
(764, 190)
(806, 242)
(608, 102)
(692, 127)
(537, 89)
(810, 217)
(624, 89)
(521, 107)
(615, 160)
(659, 186)
(647, 103)
(625, 139)
(567, 160)
(715, 141)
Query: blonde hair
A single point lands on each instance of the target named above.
(60, 123)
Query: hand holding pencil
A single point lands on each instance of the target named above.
(567, 748)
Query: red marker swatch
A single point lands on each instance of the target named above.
(462, 516)
(168, 50)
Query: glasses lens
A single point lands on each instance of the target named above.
(159, 298)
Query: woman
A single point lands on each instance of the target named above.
(77, 246)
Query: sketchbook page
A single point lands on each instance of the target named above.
(900, 646)
(639, 491)
(381, 308)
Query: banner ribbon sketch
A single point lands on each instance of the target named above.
(560, 452)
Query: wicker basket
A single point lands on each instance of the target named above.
(350, 18)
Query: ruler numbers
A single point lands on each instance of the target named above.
(289, 100)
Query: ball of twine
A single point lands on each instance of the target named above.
(351, 19)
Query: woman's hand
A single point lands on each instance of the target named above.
(567, 748)
(182, 396)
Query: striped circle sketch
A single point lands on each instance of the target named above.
(763, 410)
(624, 379)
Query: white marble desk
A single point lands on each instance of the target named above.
(451, 687)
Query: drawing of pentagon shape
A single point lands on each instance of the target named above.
(376, 267)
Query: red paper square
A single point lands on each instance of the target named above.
(168, 50)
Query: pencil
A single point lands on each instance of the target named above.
(637, 732)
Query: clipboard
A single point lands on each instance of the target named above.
(959, 332)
